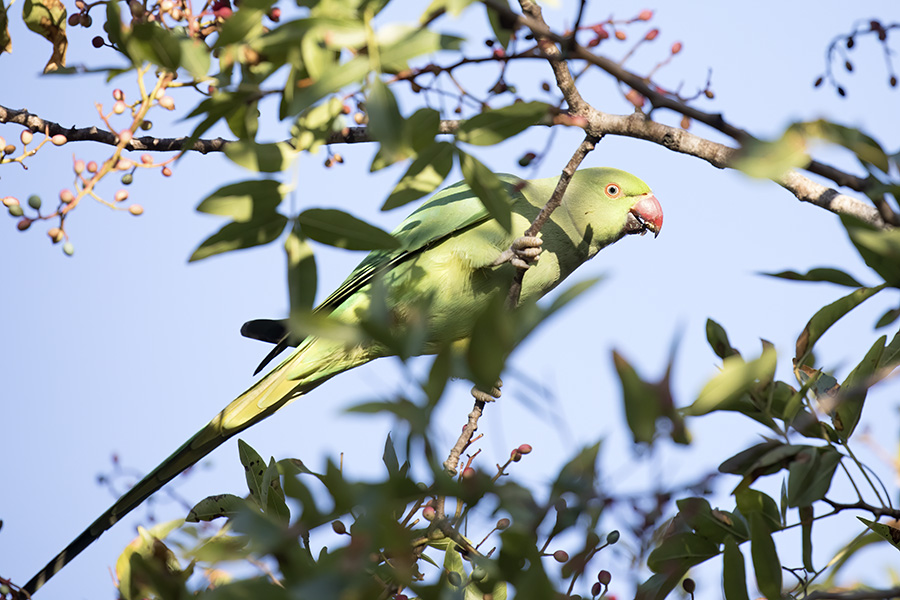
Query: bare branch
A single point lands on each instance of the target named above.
(94, 134)
(855, 595)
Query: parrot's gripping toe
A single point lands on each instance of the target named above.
(523, 253)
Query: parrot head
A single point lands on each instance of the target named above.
(629, 195)
(613, 203)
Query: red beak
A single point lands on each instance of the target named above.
(649, 212)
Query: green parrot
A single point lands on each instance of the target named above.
(454, 257)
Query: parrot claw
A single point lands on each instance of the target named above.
(524, 252)
(483, 396)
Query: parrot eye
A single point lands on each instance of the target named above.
(612, 190)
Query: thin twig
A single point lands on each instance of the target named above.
(588, 144)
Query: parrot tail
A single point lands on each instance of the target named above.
(269, 394)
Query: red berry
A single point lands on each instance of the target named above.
(645, 15)
(604, 577)
(92, 167)
(525, 448)
(651, 35)
(469, 473)
(635, 98)
(676, 47)
(136, 209)
(97, 42)
(23, 224)
(620, 35)
(561, 556)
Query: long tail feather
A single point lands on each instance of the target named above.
(269, 394)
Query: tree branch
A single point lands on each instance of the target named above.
(856, 595)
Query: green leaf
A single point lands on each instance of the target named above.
(237, 236)
(337, 228)
(302, 275)
(400, 42)
(740, 463)
(420, 129)
(385, 121)
(492, 340)
(352, 71)
(750, 501)
(828, 316)
(424, 175)
(147, 567)
(488, 188)
(642, 405)
(680, 552)
(879, 248)
(736, 378)
(273, 501)
(579, 475)
(244, 24)
(494, 126)
(766, 564)
(866, 148)
(500, 25)
(194, 57)
(398, 45)
(316, 124)
(220, 548)
(718, 340)
(771, 160)
(389, 458)
(222, 105)
(267, 158)
(244, 201)
(254, 470)
(149, 42)
(734, 575)
(889, 534)
(853, 392)
(713, 524)
(806, 525)
(214, 507)
(659, 586)
(887, 318)
(811, 471)
(5, 40)
(47, 18)
(890, 358)
(821, 274)
(452, 7)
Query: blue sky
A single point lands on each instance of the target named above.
(125, 348)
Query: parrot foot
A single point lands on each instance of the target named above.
(490, 396)
(523, 253)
